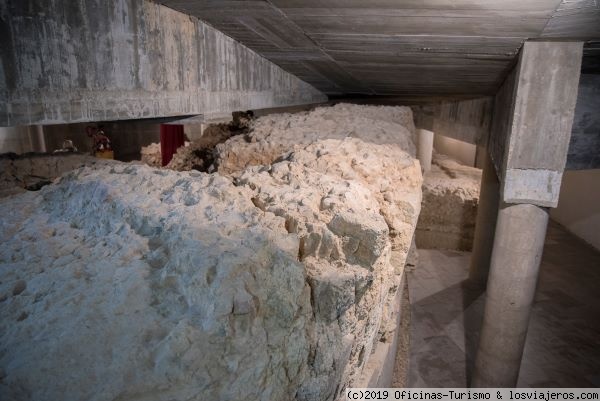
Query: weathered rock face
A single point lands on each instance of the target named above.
(274, 283)
(199, 154)
(449, 209)
(273, 135)
(151, 155)
(392, 176)
(330, 197)
(182, 290)
(19, 173)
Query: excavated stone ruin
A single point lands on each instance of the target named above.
(272, 279)
(31, 171)
(200, 153)
(449, 209)
(275, 134)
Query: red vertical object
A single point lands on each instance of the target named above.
(171, 138)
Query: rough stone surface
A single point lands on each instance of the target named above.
(274, 283)
(199, 154)
(391, 175)
(182, 290)
(32, 171)
(151, 155)
(273, 135)
(449, 209)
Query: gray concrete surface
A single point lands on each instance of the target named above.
(533, 117)
(405, 48)
(466, 120)
(584, 148)
(95, 60)
(546, 94)
(518, 246)
(485, 227)
(502, 121)
(22, 139)
(562, 342)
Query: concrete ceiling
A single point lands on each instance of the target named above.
(401, 48)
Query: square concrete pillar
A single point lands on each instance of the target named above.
(532, 124)
(529, 141)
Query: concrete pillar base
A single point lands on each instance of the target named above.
(518, 246)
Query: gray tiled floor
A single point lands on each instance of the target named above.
(563, 344)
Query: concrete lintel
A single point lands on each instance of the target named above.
(146, 61)
(536, 187)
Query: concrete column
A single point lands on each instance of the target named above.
(487, 213)
(529, 141)
(424, 148)
(518, 247)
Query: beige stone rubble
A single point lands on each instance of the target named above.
(151, 155)
(275, 134)
(333, 196)
(149, 283)
(449, 210)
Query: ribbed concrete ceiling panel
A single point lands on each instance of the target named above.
(396, 47)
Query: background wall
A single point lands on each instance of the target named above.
(584, 148)
(127, 137)
(579, 205)
(460, 151)
(22, 139)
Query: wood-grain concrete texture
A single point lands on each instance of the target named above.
(90, 60)
(406, 48)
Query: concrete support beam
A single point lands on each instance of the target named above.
(533, 117)
(518, 246)
(485, 226)
(69, 61)
(531, 129)
(465, 120)
(425, 148)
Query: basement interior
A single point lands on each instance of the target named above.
(286, 200)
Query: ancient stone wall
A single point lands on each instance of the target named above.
(449, 209)
(274, 281)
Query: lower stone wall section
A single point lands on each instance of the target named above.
(449, 208)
